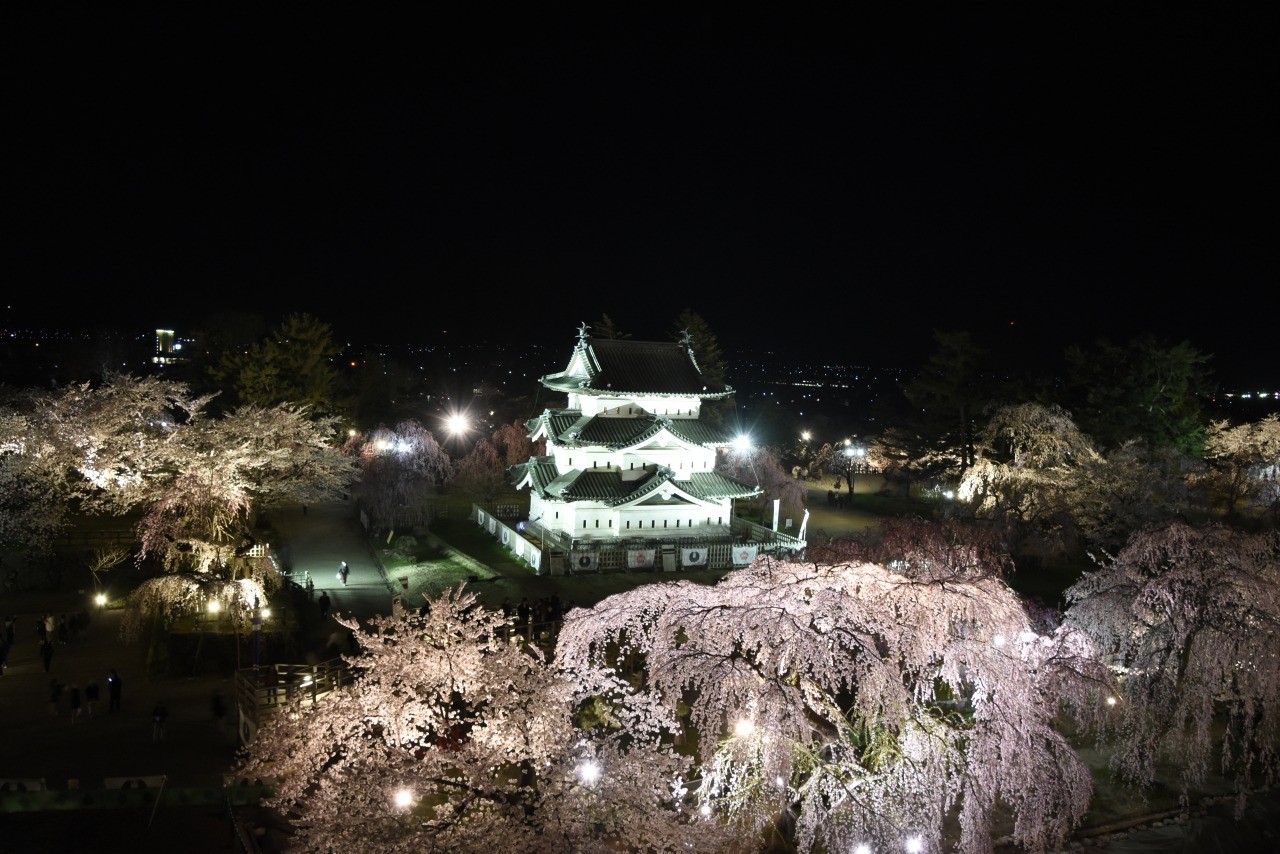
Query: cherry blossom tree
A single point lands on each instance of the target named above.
(860, 704)
(97, 446)
(514, 445)
(480, 475)
(1189, 616)
(199, 514)
(399, 469)
(1136, 486)
(759, 465)
(453, 738)
(1028, 457)
(1246, 461)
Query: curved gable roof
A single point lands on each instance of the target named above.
(569, 427)
(622, 367)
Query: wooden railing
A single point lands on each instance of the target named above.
(270, 688)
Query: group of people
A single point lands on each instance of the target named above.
(84, 701)
(541, 615)
(52, 631)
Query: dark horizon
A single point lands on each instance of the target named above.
(831, 187)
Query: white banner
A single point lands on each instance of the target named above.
(640, 558)
(534, 557)
(743, 555)
(583, 562)
(506, 536)
(693, 557)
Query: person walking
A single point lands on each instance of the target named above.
(159, 715)
(324, 604)
(64, 631)
(90, 696)
(46, 653)
(10, 626)
(55, 695)
(219, 707)
(113, 691)
(42, 630)
(343, 571)
(74, 694)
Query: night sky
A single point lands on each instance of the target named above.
(830, 187)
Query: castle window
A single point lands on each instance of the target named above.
(664, 523)
(677, 523)
(628, 523)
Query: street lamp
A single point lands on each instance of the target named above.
(589, 772)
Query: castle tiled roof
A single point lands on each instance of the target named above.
(624, 367)
(570, 427)
(610, 487)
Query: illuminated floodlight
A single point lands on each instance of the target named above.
(404, 799)
(862, 848)
(589, 772)
(744, 728)
(100, 599)
(742, 443)
(266, 612)
(915, 845)
(215, 606)
(805, 435)
(1111, 701)
(458, 424)
(705, 809)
